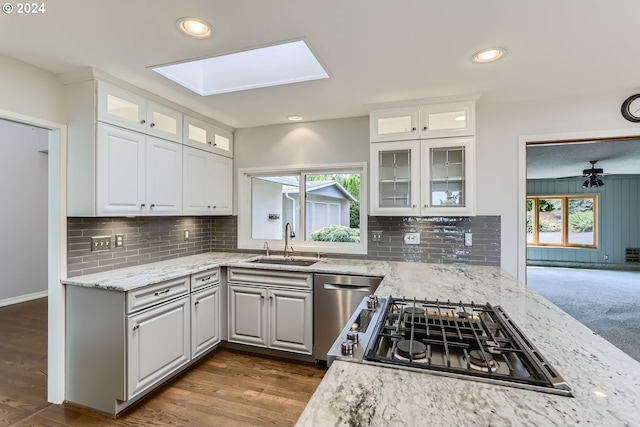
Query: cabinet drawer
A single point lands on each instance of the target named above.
(206, 278)
(155, 294)
(287, 279)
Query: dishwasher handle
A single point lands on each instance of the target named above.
(342, 287)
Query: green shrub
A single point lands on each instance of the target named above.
(581, 221)
(336, 233)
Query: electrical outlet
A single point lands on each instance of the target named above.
(468, 239)
(376, 236)
(186, 235)
(412, 238)
(119, 240)
(606, 257)
(100, 243)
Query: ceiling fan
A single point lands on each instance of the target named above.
(593, 175)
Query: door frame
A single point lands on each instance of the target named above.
(567, 137)
(56, 248)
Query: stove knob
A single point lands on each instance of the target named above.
(372, 303)
(347, 348)
(353, 336)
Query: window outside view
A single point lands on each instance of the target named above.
(327, 211)
(551, 216)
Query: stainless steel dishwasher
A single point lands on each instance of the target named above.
(335, 298)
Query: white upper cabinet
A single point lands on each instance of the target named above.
(164, 122)
(202, 135)
(429, 121)
(438, 121)
(137, 174)
(432, 177)
(163, 177)
(447, 177)
(207, 183)
(120, 172)
(394, 125)
(122, 108)
(395, 178)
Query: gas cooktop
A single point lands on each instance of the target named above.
(465, 340)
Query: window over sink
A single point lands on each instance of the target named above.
(325, 205)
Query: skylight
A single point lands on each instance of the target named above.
(268, 66)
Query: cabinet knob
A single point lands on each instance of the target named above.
(414, 206)
(214, 207)
(196, 303)
(143, 121)
(271, 297)
(209, 142)
(142, 205)
(424, 128)
(152, 125)
(426, 206)
(413, 129)
(261, 296)
(136, 327)
(209, 207)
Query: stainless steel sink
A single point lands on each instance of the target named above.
(286, 261)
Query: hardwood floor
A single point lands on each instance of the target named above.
(227, 388)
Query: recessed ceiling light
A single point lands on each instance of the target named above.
(489, 55)
(194, 27)
(250, 69)
(295, 118)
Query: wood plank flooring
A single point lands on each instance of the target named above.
(227, 388)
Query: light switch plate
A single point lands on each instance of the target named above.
(186, 235)
(100, 243)
(412, 238)
(468, 239)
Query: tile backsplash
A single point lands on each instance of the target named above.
(146, 240)
(151, 239)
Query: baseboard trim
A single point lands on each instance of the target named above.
(23, 298)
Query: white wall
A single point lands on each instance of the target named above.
(498, 128)
(23, 221)
(266, 198)
(30, 91)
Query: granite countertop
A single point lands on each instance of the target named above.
(604, 380)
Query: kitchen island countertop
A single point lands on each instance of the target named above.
(604, 380)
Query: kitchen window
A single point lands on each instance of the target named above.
(325, 205)
(564, 221)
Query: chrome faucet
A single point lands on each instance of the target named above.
(288, 250)
(266, 246)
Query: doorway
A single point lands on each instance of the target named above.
(56, 246)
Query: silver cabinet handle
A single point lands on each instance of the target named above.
(209, 207)
(206, 278)
(342, 287)
(261, 296)
(143, 121)
(136, 327)
(152, 206)
(152, 125)
(166, 291)
(196, 303)
(214, 207)
(142, 205)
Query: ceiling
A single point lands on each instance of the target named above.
(375, 51)
(570, 159)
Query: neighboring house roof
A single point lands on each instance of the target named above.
(290, 186)
(318, 186)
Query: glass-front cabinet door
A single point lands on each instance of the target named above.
(204, 136)
(444, 120)
(393, 125)
(395, 178)
(164, 122)
(447, 170)
(121, 107)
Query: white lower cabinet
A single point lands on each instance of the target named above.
(274, 311)
(157, 344)
(121, 345)
(205, 320)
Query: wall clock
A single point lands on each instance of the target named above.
(631, 108)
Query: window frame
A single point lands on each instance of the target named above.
(245, 241)
(565, 221)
